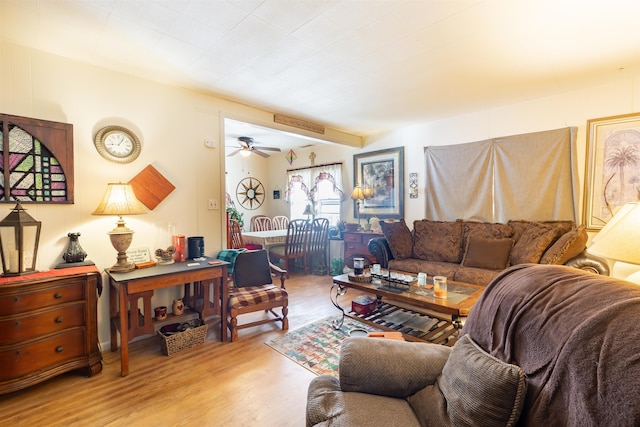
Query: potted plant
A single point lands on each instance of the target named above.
(235, 215)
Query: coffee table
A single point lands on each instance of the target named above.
(451, 312)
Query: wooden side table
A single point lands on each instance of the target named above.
(126, 289)
(355, 245)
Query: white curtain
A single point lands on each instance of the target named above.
(530, 176)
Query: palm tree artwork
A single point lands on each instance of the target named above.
(621, 172)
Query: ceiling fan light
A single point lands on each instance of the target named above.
(245, 153)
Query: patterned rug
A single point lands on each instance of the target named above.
(316, 346)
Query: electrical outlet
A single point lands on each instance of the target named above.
(213, 204)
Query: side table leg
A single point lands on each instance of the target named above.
(339, 291)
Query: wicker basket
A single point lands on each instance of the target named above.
(178, 341)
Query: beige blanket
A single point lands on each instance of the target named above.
(576, 335)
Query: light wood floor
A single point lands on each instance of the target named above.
(246, 383)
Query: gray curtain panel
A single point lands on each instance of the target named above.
(530, 176)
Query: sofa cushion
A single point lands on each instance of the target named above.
(569, 245)
(438, 240)
(477, 276)
(533, 242)
(398, 237)
(487, 230)
(492, 254)
(474, 388)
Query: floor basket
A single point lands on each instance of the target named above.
(177, 341)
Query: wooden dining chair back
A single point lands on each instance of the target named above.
(253, 290)
(295, 245)
(280, 222)
(235, 234)
(317, 243)
(260, 223)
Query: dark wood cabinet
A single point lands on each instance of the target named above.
(355, 245)
(48, 326)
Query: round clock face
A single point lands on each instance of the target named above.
(250, 193)
(117, 144)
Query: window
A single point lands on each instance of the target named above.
(323, 198)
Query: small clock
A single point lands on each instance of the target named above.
(117, 144)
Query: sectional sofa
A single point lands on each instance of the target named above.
(476, 252)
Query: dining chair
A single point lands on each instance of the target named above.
(235, 234)
(280, 222)
(295, 245)
(253, 290)
(317, 243)
(260, 223)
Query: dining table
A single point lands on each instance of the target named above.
(265, 238)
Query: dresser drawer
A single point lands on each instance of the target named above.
(44, 354)
(45, 297)
(352, 237)
(25, 327)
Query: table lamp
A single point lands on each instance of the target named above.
(119, 199)
(358, 195)
(619, 239)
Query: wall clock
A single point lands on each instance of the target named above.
(117, 144)
(250, 193)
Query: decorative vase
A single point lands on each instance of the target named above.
(178, 307)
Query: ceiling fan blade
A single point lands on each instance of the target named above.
(260, 153)
(267, 148)
(234, 153)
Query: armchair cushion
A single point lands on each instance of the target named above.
(253, 295)
(475, 388)
(399, 238)
(389, 367)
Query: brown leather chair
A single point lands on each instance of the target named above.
(253, 290)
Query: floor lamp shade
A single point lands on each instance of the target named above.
(619, 239)
(119, 199)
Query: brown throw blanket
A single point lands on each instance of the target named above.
(576, 335)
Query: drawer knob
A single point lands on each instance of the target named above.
(16, 299)
(59, 320)
(17, 323)
(59, 349)
(59, 295)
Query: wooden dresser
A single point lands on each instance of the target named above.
(48, 325)
(355, 245)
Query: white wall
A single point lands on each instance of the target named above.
(172, 124)
(562, 110)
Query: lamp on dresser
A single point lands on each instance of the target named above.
(359, 194)
(619, 239)
(119, 199)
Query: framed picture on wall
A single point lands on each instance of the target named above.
(381, 174)
(613, 167)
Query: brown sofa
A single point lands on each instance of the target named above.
(545, 345)
(475, 252)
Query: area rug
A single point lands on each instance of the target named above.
(316, 346)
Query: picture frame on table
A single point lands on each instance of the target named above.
(612, 176)
(382, 172)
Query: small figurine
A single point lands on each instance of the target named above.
(74, 252)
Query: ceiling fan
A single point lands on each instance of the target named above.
(247, 144)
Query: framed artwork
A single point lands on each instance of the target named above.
(612, 167)
(381, 172)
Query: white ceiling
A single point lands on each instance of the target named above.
(361, 66)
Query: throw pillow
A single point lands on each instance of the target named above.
(477, 388)
(569, 245)
(438, 240)
(533, 242)
(399, 238)
(490, 254)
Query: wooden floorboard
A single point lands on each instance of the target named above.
(216, 384)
